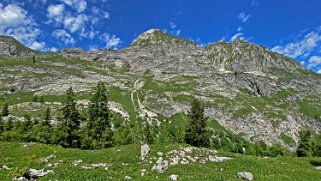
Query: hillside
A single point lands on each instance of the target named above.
(249, 90)
(122, 162)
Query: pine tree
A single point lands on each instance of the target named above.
(1, 125)
(98, 125)
(35, 99)
(148, 134)
(5, 110)
(47, 116)
(196, 133)
(68, 135)
(305, 147)
(8, 125)
(42, 100)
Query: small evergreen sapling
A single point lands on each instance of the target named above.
(5, 110)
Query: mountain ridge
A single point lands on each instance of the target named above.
(247, 88)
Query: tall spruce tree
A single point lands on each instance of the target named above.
(196, 133)
(68, 129)
(98, 126)
(5, 110)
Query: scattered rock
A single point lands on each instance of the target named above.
(128, 178)
(5, 167)
(87, 168)
(161, 165)
(101, 165)
(318, 168)
(144, 150)
(76, 162)
(143, 172)
(95, 165)
(46, 160)
(160, 154)
(173, 177)
(34, 174)
(218, 159)
(245, 175)
(184, 161)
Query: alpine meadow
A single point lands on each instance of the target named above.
(163, 107)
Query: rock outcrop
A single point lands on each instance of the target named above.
(245, 175)
(10, 47)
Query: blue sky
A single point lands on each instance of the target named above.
(290, 27)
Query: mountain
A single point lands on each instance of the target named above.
(9, 46)
(250, 90)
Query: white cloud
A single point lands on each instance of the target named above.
(75, 23)
(53, 49)
(237, 36)
(100, 13)
(37, 45)
(239, 28)
(79, 5)
(178, 32)
(172, 24)
(56, 12)
(314, 61)
(12, 15)
(244, 17)
(302, 47)
(63, 36)
(111, 41)
(319, 71)
(88, 34)
(14, 21)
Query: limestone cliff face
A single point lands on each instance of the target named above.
(247, 88)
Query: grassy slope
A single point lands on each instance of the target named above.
(283, 168)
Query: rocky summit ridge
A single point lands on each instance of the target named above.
(248, 89)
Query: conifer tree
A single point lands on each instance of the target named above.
(8, 125)
(35, 99)
(68, 135)
(42, 100)
(305, 144)
(5, 110)
(47, 116)
(196, 133)
(1, 125)
(33, 59)
(98, 125)
(148, 134)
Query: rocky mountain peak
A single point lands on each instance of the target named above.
(147, 35)
(157, 37)
(9, 46)
(242, 56)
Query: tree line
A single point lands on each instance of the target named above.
(98, 128)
